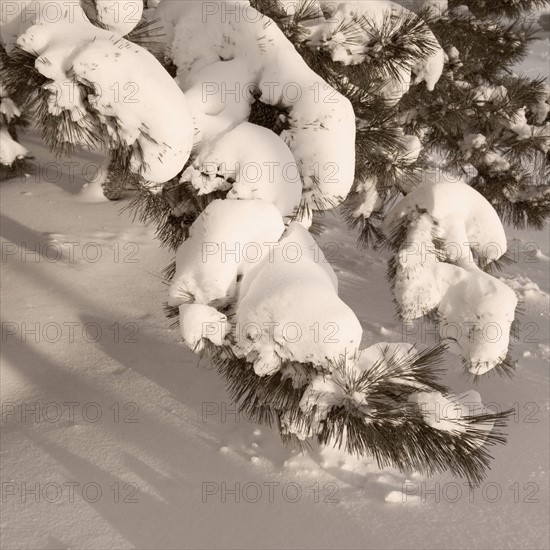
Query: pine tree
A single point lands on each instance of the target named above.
(395, 111)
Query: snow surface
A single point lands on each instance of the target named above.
(186, 434)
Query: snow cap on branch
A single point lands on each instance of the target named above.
(439, 232)
(292, 299)
(126, 83)
(251, 162)
(460, 215)
(320, 125)
(451, 413)
(199, 322)
(10, 150)
(219, 250)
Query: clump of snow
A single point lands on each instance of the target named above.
(159, 134)
(518, 124)
(452, 413)
(471, 143)
(8, 108)
(10, 150)
(541, 108)
(320, 126)
(453, 54)
(461, 216)
(410, 149)
(395, 88)
(430, 69)
(338, 388)
(17, 16)
(199, 322)
(119, 16)
(366, 198)
(476, 312)
(218, 98)
(495, 162)
(219, 250)
(263, 169)
(486, 93)
(292, 310)
(435, 270)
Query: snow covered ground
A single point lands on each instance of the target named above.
(114, 437)
(83, 334)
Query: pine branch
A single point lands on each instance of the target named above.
(150, 36)
(515, 199)
(503, 43)
(388, 427)
(499, 8)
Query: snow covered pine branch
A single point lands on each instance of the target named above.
(246, 171)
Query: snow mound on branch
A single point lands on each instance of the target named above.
(253, 163)
(476, 312)
(462, 218)
(159, 134)
(289, 309)
(218, 99)
(429, 70)
(532, 297)
(219, 250)
(17, 16)
(8, 109)
(395, 88)
(541, 108)
(471, 143)
(119, 16)
(450, 413)
(198, 322)
(445, 223)
(366, 199)
(320, 123)
(10, 150)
